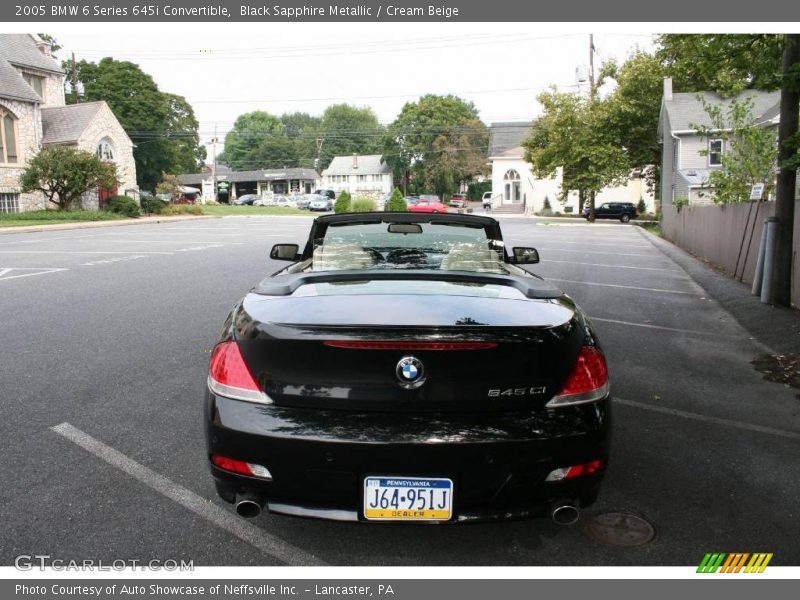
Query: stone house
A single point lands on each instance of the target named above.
(34, 114)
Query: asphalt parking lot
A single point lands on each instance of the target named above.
(106, 335)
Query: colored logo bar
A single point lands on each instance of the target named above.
(734, 562)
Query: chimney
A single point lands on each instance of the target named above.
(667, 88)
(44, 46)
(355, 160)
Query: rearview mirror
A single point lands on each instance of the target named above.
(405, 228)
(525, 256)
(284, 252)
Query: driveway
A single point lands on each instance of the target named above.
(106, 338)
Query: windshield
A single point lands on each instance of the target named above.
(438, 246)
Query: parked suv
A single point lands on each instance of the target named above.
(624, 211)
(329, 193)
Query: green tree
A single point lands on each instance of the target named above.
(343, 202)
(162, 126)
(169, 184)
(186, 151)
(345, 129)
(396, 202)
(631, 112)
(63, 174)
(257, 141)
(439, 141)
(750, 155)
(572, 134)
(725, 63)
(303, 130)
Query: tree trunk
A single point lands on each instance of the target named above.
(784, 192)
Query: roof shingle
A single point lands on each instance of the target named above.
(507, 136)
(368, 164)
(20, 49)
(65, 124)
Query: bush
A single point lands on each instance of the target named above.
(181, 209)
(152, 205)
(475, 190)
(122, 205)
(547, 203)
(396, 203)
(342, 204)
(362, 205)
(641, 207)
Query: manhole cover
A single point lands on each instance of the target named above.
(620, 529)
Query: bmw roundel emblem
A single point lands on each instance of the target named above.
(410, 372)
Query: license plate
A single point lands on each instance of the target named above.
(408, 499)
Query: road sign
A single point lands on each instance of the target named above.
(757, 191)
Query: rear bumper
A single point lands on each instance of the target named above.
(498, 461)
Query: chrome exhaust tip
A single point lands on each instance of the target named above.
(564, 512)
(248, 505)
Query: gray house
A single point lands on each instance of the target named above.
(688, 157)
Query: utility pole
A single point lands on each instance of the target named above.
(214, 163)
(591, 103)
(74, 80)
(319, 141)
(784, 191)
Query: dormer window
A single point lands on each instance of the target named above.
(36, 82)
(8, 138)
(715, 150)
(105, 151)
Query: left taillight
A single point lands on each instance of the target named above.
(588, 381)
(229, 376)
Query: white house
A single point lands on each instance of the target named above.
(516, 189)
(33, 115)
(359, 175)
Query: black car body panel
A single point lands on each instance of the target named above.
(337, 413)
(623, 211)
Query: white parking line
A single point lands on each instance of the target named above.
(663, 328)
(548, 249)
(792, 435)
(80, 252)
(572, 262)
(627, 287)
(255, 536)
(4, 272)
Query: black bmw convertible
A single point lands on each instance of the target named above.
(405, 367)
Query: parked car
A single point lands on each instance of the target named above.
(399, 411)
(321, 203)
(329, 193)
(246, 199)
(458, 201)
(430, 197)
(624, 211)
(304, 200)
(427, 206)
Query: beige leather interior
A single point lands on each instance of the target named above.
(341, 256)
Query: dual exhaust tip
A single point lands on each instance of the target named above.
(562, 512)
(249, 505)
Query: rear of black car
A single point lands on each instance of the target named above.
(408, 401)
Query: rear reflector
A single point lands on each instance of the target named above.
(590, 468)
(394, 345)
(241, 467)
(229, 376)
(588, 381)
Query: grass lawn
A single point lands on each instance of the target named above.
(654, 228)
(50, 217)
(227, 210)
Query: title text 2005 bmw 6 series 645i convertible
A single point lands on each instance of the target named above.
(405, 368)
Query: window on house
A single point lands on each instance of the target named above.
(36, 82)
(8, 138)
(362, 178)
(105, 151)
(9, 203)
(715, 150)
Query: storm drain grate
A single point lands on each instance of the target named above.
(620, 529)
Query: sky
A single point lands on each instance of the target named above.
(224, 71)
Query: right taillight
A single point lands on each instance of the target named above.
(588, 381)
(229, 376)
